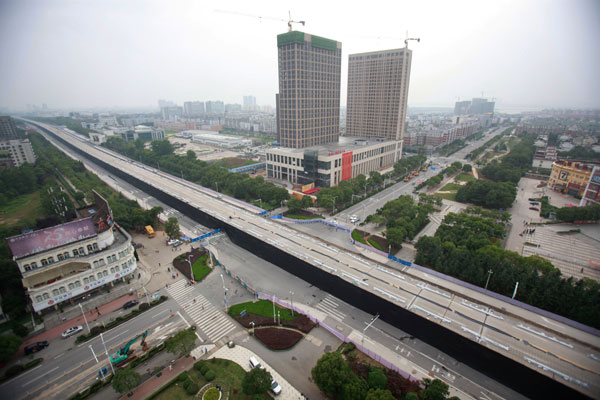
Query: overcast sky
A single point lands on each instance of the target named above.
(131, 53)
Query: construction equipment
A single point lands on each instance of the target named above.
(290, 21)
(123, 353)
(407, 39)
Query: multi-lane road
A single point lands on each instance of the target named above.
(559, 350)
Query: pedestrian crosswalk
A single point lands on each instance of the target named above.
(329, 306)
(212, 322)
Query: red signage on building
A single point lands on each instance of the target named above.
(346, 166)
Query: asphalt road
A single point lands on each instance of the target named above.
(69, 367)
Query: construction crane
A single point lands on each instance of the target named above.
(407, 39)
(289, 21)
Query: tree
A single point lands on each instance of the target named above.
(172, 227)
(467, 168)
(161, 147)
(376, 379)
(190, 155)
(307, 201)
(9, 345)
(434, 390)
(383, 394)
(125, 380)
(331, 373)
(395, 236)
(257, 381)
(182, 343)
(411, 396)
(294, 205)
(355, 389)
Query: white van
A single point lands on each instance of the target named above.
(254, 363)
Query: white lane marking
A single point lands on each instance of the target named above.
(58, 356)
(116, 336)
(39, 377)
(156, 315)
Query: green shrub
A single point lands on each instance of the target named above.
(204, 369)
(198, 365)
(210, 375)
(192, 389)
(144, 306)
(186, 383)
(351, 356)
(19, 329)
(182, 376)
(13, 370)
(33, 363)
(95, 330)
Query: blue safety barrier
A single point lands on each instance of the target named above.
(206, 235)
(399, 260)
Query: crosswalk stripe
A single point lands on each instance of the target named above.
(220, 333)
(329, 301)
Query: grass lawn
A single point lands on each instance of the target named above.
(295, 216)
(375, 244)
(229, 375)
(233, 162)
(263, 308)
(200, 268)
(464, 177)
(21, 209)
(451, 186)
(447, 196)
(358, 237)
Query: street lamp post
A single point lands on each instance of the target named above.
(107, 356)
(333, 210)
(390, 249)
(97, 362)
(490, 272)
(224, 292)
(147, 298)
(84, 318)
(515, 292)
(252, 322)
(292, 297)
(278, 318)
(274, 315)
(367, 327)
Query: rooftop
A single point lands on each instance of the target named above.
(49, 238)
(345, 144)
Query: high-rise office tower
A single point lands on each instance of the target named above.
(309, 89)
(249, 103)
(378, 93)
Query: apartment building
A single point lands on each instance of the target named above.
(378, 93)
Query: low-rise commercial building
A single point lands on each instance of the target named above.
(64, 262)
(570, 177)
(329, 164)
(214, 139)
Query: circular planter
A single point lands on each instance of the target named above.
(212, 394)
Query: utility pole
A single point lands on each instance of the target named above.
(292, 297)
(107, 356)
(97, 362)
(490, 272)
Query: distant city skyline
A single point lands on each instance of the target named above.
(67, 54)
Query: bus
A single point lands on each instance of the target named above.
(149, 231)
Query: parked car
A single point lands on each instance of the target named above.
(353, 218)
(129, 304)
(172, 242)
(531, 199)
(275, 388)
(137, 245)
(534, 208)
(35, 347)
(255, 364)
(177, 243)
(72, 331)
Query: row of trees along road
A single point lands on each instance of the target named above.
(468, 245)
(403, 218)
(240, 186)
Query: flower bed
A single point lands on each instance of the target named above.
(181, 264)
(277, 338)
(302, 322)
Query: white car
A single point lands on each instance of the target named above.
(275, 388)
(72, 331)
(353, 218)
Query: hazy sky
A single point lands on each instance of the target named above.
(131, 53)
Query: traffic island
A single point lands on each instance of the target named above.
(197, 259)
(278, 338)
(260, 313)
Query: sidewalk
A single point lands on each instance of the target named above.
(156, 382)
